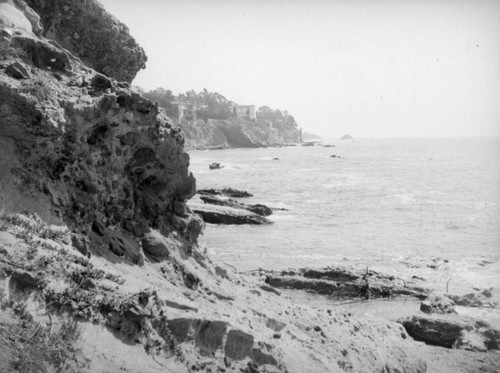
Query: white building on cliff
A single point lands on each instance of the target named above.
(246, 112)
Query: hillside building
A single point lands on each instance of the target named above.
(187, 110)
(246, 112)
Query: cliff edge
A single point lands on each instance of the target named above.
(87, 30)
(236, 133)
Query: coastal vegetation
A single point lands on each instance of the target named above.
(215, 123)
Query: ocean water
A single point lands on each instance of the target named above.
(409, 207)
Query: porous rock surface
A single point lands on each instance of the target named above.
(83, 149)
(86, 29)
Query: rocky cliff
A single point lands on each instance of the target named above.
(237, 133)
(100, 269)
(203, 135)
(89, 32)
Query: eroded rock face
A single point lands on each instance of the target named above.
(203, 135)
(15, 14)
(91, 33)
(83, 149)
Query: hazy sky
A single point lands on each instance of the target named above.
(372, 68)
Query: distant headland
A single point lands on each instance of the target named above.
(211, 121)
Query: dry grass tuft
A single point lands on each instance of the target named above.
(40, 347)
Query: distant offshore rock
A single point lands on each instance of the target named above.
(347, 137)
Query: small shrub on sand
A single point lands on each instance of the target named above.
(37, 347)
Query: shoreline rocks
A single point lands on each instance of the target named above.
(218, 208)
(258, 209)
(442, 325)
(228, 192)
(227, 215)
(345, 283)
(453, 331)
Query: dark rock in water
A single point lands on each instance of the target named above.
(235, 193)
(328, 146)
(437, 303)
(276, 159)
(347, 137)
(215, 166)
(17, 71)
(335, 156)
(453, 331)
(230, 192)
(308, 144)
(227, 215)
(258, 209)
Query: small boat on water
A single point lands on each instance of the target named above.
(215, 166)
